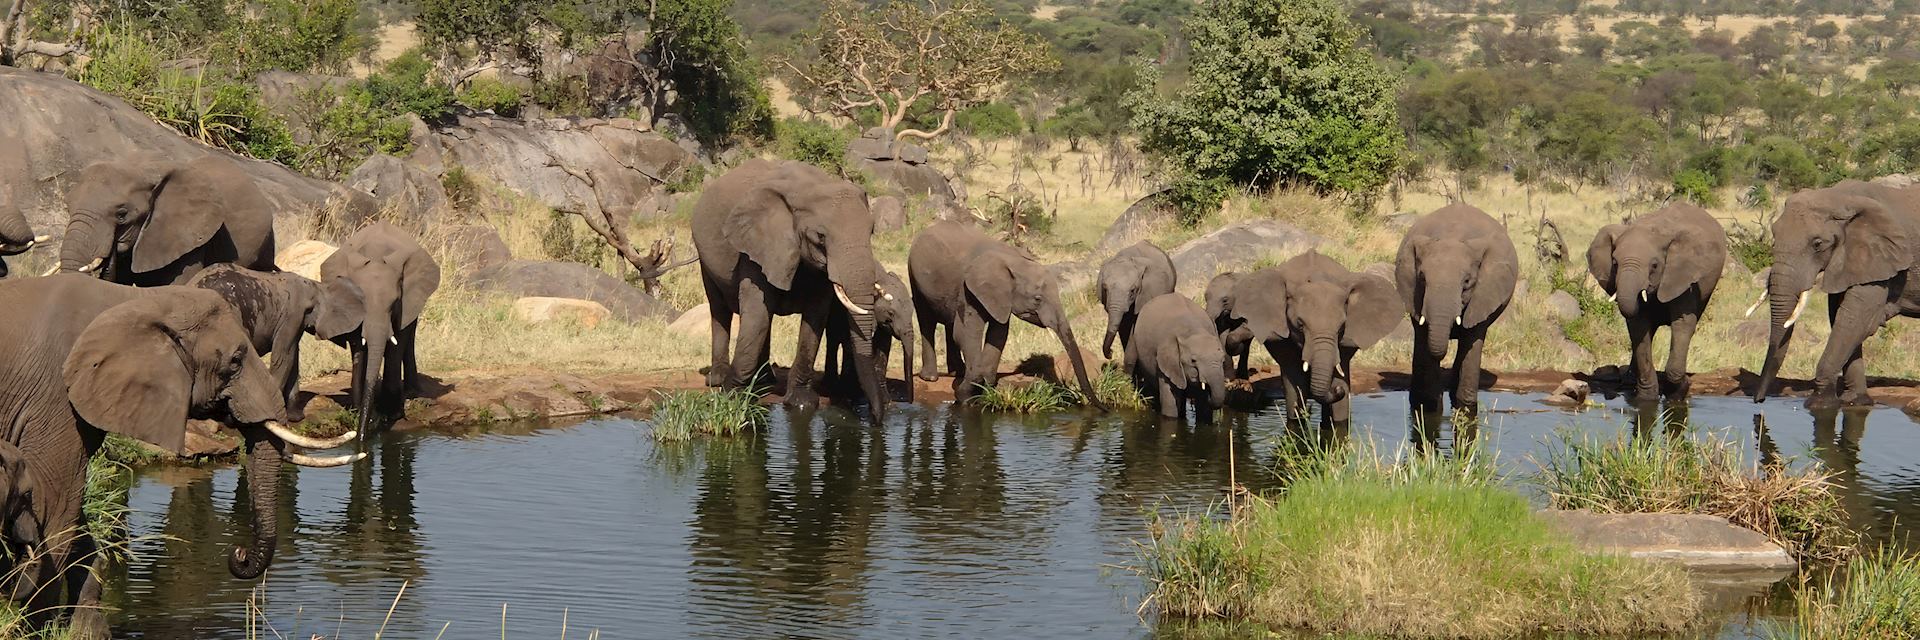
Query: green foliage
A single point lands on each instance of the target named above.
(205, 105)
(1277, 92)
(1870, 597)
(108, 484)
(681, 415)
(488, 94)
(991, 121)
(1750, 246)
(565, 96)
(721, 91)
(405, 85)
(1782, 161)
(1033, 396)
(462, 192)
(296, 35)
(350, 122)
(811, 141)
(560, 241)
(1696, 186)
(1193, 198)
(1115, 389)
(689, 180)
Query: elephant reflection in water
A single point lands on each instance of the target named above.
(1159, 456)
(953, 476)
(1669, 417)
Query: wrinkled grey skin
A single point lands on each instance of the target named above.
(1661, 269)
(153, 222)
(16, 236)
(1858, 242)
(377, 284)
(893, 320)
(1313, 315)
(276, 308)
(1127, 281)
(1175, 357)
(975, 286)
(1234, 337)
(86, 357)
(20, 525)
(1456, 271)
(780, 238)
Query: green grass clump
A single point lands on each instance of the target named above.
(681, 415)
(1872, 596)
(1795, 507)
(1114, 388)
(1423, 548)
(1036, 396)
(108, 484)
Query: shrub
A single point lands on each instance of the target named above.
(205, 104)
(1114, 388)
(296, 35)
(1194, 199)
(811, 141)
(1696, 186)
(560, 242)
(404, 85)
(1034, 396)
(488, 94)
(681, 415)
(564, 96)
(991, 121)
(1750, 246)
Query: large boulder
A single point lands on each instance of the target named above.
(470, 249)
(889, 214)
(1236, 246)
(53, 126)
(587, 314)
(539, 278)
(1135, 223)
(304, 258)
(402, 188)
(585, 165)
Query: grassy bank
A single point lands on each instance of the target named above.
(1425, 548)
(1112, 387)
(680, 416)
(1871, 597)
(1794, 506)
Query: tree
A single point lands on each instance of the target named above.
(953, 57)
(15, 43)
(1278, 92)
(1825, 33)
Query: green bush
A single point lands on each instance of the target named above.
(405, 85)
(1750, 246)
(811, 141)
(1194, 199)
(681, 415)
(296, 35)
(488, 94)
(989, 121)
(206, 104)
(1696, 186)
(563, 96)
(1871, 597)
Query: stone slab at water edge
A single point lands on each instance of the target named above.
(1693, 540)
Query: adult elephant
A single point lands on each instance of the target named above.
(84, 358)
(784, 238)
(1176, 357)
(148, 223)
(1128, 280)
(974, 286)
(1313, 315)
(377, 284)
(1661, 270)
(1857, 241)
(1456, 271)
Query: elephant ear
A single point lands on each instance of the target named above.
(340, 309)
(1493, 285)
(1171, 360)
(419, 278)
(1600, 255)
(126, 374)
(1260, 301)
(187, 211)
(990, 281)
(1692, 258)
(761, 226)
(1406, 269)
(1372, 311)
(1874, 246)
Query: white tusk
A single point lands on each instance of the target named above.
(92, 265)
(40, 239)
(394, 339)
(1457, 322)
(841, 292)
(1797, 308)
(51, 270)
(1643, 295)
(1339, 370)
(1613, 297)
(305, 460)
(1757, 303)
(1420, 320)
(1306, 366)
(311, 443)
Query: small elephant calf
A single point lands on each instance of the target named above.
(1234, 335)
(1175, 356)
(19, 521)
(892, 320)
(276, 308)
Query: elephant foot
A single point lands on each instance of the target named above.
(89, 623)
(802, 398)
(1470, 405)
(716, 377)
(1859, 400)
(295, 416)
(1675, 385)
(929, 376)
(1823, 399)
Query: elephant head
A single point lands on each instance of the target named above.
(375, 286)
(1459, 282)
(144, 367)
(16, 236)
(1838, 237)
(19, 519)
(894, 310)
(1195, 360)
(1321, 307)
(1657, 258)
(131, 217)
(1004, 284)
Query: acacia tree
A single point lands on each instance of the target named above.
(952, 56)
(14, 42)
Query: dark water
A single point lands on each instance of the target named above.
(939, 525)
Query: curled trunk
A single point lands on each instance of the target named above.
(264, 453)
(1630, 283)
(85, 242)
(14, 230)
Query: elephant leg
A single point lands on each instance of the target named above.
(392, 398)
(1857, 315)
(1853, 388)
(89, 621)
(813, 324)
(964, 338)
(1640, 334)
(410, 362)
(1676, 380)
(1169, 403)
(830, 370)
(991, 348)
(720, 327)
(956, 351)
(1246, 353)
(1293, 381)
(928, 325)
(751, 345)
(1466, 371)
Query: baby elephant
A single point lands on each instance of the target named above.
(1175, 356)
(1128, 280)
(1234, 335)
(892, 320)
(276, 307)
(19, 521)
(1661, 270)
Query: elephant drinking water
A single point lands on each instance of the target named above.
(1313, 315)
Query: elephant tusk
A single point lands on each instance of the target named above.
(288, 435)
(305, 460)
(1643, 295)
(1797, 308)
(92, 265)
(1306, 366)
(1457, 322)
(1339, 370)
(1420, 320)
(51, 270)
(841, 292)
(394, 339)
(1613, 297)
(39, 239)
(1757, 303)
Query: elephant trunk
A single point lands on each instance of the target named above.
(1442, 306)
(1322, 356)
(1784, 292)
(264, 453)
(376, 334)
(906, 359)
(1065, 332)
(14, 230)
(88, 244)
(1630, 285)
(1117, 304)
(1216, 380)
(872, 373)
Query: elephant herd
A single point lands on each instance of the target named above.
(165, 299)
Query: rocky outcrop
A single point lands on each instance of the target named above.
(1237, 246)
(900, 168)
(53, 126)
(538, 278)
(1135, 223)
(1693, 540)
(586, 165)
(304, 258)
(471, 249)
(403, 189)
(587, 314)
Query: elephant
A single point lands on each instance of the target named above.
(974, 286)
(276, 308)
(892, 320)
(1858, 241)
(1237, 340)
(1128, 280)
(87, 358)
(146, 222)
(16, 235)
(784, 238)
(1175, 356)
(1455, 271)
(376, 285)
(1661, 270)
(20, 526)
(1313, 315)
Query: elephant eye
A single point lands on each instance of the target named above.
(121, 214)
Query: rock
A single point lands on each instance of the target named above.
(402, 188)
(1570, 393)
(538, 278)
(1570, 351)
(1520, 290)
(1753, 332)
(285, 93)
(889, 214)
(1898, 180)
(1135, 223)
(1561, 306)
(1381, 269)
(470, 249)
(698, 322)
(304, 258)
(539, 310)
(1236, 246)
(207, 439)
(910, 153)
(1692, 540)
(54, 126)
(1610, 373)
(1402, 220)
(590, 166)
(902, 179)
(1760, 279)
(869, 149)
